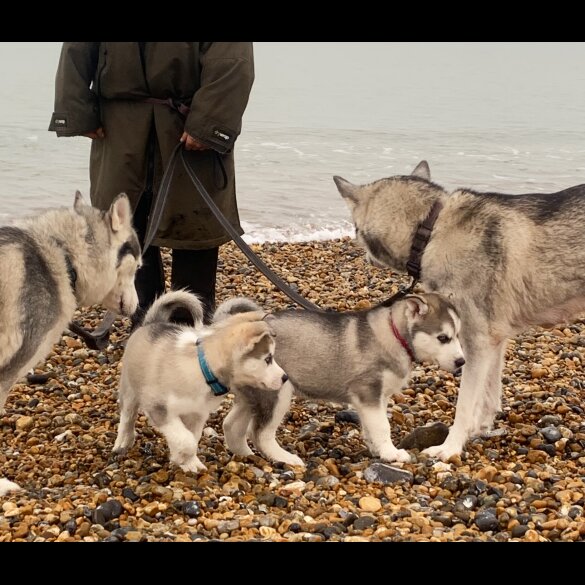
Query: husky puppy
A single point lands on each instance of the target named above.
(53, 263)
(507, 262)
(361, 358)
(178, 374)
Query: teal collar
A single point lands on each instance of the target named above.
(216, 386)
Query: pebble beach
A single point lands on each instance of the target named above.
(526, 482)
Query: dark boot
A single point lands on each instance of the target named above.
(196, 270)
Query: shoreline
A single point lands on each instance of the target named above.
(528, 484)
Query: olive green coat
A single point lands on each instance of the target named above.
(104, 85)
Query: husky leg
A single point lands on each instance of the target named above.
(376, 431)
(235, 427)
(264, 432)
(482, 357)
(493, 397)
(182, 442)
(128, 413)
(195, 423)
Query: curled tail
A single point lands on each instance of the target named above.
(162, 309)
(233, 307)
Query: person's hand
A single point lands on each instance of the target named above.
(192, 143)
(99, 133)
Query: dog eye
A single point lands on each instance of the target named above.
(268, 360)
(444, 338)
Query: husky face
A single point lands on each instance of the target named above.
(112, 278)
(254, 359)
(122, 298)
(434, 330)
(400, 201)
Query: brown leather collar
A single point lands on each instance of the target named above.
(420, 241)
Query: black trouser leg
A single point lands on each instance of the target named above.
(150, 278)
(196, 271)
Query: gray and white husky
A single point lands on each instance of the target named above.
(51, 264)
(507, 262)
(179, 374)
(361, 358)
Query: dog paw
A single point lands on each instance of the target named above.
(390, 455)
(293, 460)
(194, 465)
(443, 452)
(241, 452)
(124, 442)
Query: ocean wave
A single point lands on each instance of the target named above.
(256, 234)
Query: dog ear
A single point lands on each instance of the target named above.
(415, 306)
(269, 319)
(78, 202)
(422, 171)
(257, 338)
(346, 189)
(120, 213)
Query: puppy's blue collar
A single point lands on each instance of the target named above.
(214, 384)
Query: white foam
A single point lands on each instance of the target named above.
(296, 233)
(7, 486)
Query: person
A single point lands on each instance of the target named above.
(136, 101)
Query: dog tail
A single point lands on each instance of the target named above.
(163, 308)
(233, 307)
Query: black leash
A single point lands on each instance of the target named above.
(157, 211)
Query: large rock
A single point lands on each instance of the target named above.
(424, 437)
(487, 520)
(386, 474)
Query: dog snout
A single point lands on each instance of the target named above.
(459, 362)
(284, 378)
(127, 305)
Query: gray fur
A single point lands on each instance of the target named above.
(350, 357)
(158, 414)
(507, 262)
(162, 309)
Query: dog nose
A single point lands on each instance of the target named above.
(459, 363)
(284, 378)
